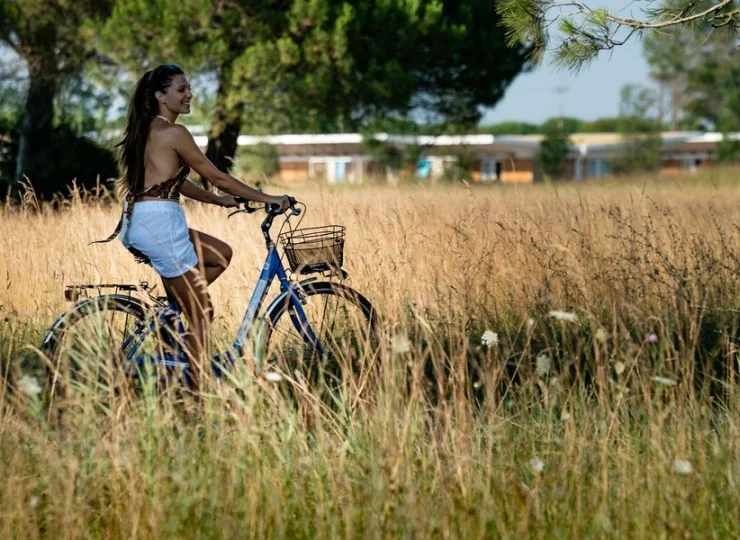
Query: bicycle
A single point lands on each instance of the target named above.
(285, 340)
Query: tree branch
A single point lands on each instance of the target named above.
(641, 25)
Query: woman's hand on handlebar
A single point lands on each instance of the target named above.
(284, 202)
(228, 201)
(273, 204)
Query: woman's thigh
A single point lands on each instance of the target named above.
(211, 251)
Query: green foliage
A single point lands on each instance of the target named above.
(572, 125)
(69, 158)
(728, 150)
(261, 160)
(582, 32)
(641, 132)
(510, 128)
(554, 150)
(306, 66)
(82, 105)
(399, 159)
(698, 69)
(713, 87)
(55, 39)
(600, 125)
(12, 83)
(561, 125)
(462, 169)
(9, 134)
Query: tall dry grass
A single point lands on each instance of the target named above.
(603, 402)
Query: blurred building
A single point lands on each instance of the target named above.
(347, 158)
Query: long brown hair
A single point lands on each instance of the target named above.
(142, 109)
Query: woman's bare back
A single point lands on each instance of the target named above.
(160, 158)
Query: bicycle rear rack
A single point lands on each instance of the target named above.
(72, 293)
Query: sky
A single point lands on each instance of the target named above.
(592, 93)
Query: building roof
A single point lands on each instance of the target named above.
(582, 143)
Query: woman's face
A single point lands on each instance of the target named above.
(178, 95)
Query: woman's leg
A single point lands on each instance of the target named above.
(214, 257)
(213, 254)
(192, 296)
(190, 292)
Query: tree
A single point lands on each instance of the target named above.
(554, 150)
(641, 132)
(668, 54)
(207, 38)
(561, 125)
(582, 32)
(702, 69)
(600, 125)
(713, 88)
(339, 65)
(323, 65)
(260, 160)
(510, 128)
(53, 38)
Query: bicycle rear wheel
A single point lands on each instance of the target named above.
(345, 324)
(89, 345)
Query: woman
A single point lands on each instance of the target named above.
(157, 155)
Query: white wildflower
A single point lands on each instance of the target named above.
(619, 367)
(489, 338)
(536, 464)
(273, 376)
(682, 466)
(400, 344)
(565, 416)
(564, 316)
(29, 386)
(34, 502)
(530, 323)
(542, 365)
(664, 380)
(601, 335)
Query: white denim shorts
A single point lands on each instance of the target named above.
(159, 232)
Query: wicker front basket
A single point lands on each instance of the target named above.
(314, 249)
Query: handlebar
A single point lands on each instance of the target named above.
(271, 209)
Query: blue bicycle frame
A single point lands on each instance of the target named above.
(272, 268)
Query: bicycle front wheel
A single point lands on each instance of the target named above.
(345, 325)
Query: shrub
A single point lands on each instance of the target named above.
(69, 157)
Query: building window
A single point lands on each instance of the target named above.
(423, 169)
(596, 168)
(691, 163)
(490, 170)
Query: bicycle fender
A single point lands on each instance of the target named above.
(79, 306)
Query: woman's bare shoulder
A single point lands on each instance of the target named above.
(176, 132)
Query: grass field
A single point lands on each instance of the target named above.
(558, 361)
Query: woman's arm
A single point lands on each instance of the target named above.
(184, 145)
(192, 191)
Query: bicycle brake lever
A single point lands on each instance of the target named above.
(237, 212)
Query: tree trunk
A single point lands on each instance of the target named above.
(675, 103)
(38, 114)
(227, 122)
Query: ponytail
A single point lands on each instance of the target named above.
(142, 109)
